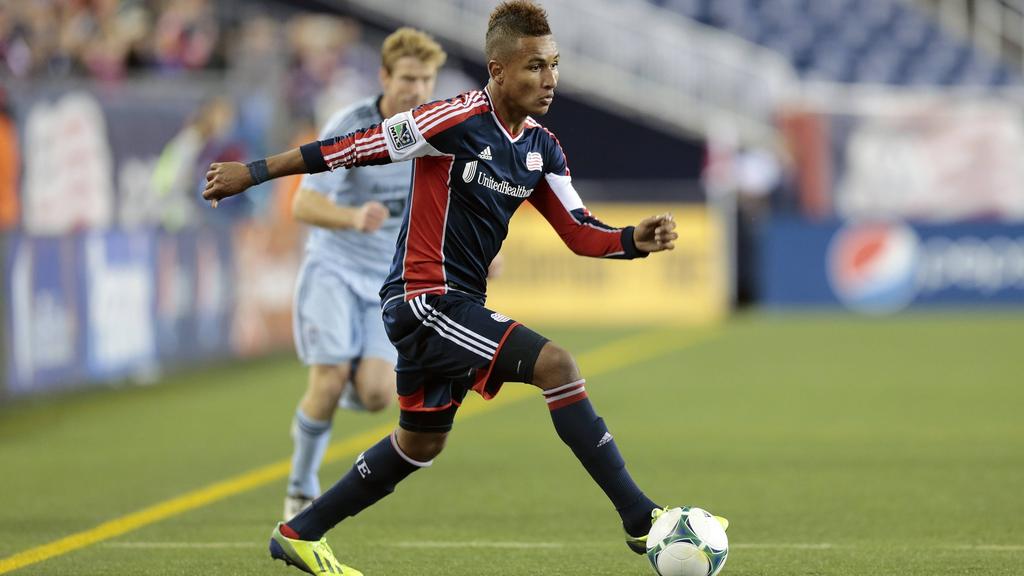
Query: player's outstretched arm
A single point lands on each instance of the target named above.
(312, 207)
(656, 233)
(226, 179)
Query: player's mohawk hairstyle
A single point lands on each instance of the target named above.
(513, 20)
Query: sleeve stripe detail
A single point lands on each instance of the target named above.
(464, 113)
(373, 141)
(362, 157)
(432, 113)
(444, 107)
(428, 108)
(557, 143)
(370, 143)
(365, 149)
(371, 152)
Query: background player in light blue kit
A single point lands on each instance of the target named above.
(355, 217)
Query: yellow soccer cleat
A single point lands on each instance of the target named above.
(310, 557)
(638, 544)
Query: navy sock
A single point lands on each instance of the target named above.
(586, 434)
(374, 475)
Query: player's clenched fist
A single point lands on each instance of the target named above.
(656, 233)
(225, 179)
(370, 216)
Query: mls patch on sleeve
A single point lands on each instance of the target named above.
(401, 135)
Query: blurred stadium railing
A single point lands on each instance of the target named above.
(647, 61)
(996, 26)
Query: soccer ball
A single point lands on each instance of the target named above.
(687, 542)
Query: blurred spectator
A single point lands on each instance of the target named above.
(118, 39)
(8, 167)
(320, 47)
(258, 74)
(104, 38)
(285, 188)
(179, 170)
(186, 35)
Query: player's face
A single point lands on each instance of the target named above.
(409, 84)
(531, 74)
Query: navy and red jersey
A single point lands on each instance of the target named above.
(469, 177)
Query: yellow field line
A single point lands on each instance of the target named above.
(617, 354)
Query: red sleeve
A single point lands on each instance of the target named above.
(581, 232)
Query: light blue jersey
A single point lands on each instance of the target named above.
(337, 303)
(364, 259)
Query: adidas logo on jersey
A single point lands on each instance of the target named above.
(485, 154)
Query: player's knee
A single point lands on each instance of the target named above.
(323, 391)
(555, 367)
(376, 388)
(422, 446)
(376, 399)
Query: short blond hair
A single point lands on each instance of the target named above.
(411, 42)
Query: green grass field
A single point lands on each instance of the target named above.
(835, 445)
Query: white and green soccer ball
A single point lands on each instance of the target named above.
(687, 542)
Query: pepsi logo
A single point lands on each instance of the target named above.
(873, 268)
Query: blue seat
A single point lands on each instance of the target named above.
(874, 41)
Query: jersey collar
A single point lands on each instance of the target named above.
(501, 124)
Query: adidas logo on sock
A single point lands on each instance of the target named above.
(605, 439)
(485, 154)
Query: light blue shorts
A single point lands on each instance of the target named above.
(332, 324)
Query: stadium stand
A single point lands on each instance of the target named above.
(853, 41)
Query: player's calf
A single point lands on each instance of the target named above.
(586, 434)
(375, 474)
(311, 432)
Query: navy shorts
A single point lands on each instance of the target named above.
(448, 345)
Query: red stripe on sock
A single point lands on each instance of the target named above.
(567, 401)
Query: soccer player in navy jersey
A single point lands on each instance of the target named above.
(476, 158)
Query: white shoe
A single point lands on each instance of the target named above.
(295, 504)
(350, 399)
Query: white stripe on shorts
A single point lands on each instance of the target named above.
(431, 320)
(486, 342)
(432, 314)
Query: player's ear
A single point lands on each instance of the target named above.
(496, 70)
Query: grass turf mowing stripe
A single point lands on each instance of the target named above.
(606, 358)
